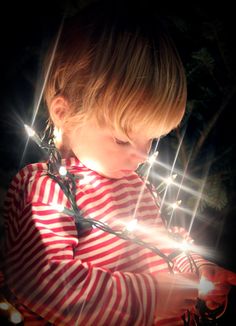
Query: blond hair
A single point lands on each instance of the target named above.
(124, 71)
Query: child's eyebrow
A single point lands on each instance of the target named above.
(131, 138)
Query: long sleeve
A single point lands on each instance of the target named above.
(94, 279)
(47, 273)
(187, 262)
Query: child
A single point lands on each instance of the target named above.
(116, 82)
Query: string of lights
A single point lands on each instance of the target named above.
(67, 182)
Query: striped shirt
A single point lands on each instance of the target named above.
(94, 279)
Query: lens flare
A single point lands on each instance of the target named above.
(30, 131)
(205, 286)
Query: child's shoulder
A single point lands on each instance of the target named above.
(22, 184)
(29, 173)
(26, 178)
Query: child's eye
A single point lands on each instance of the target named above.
(120, 142)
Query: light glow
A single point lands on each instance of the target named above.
(176, 204)
(63, 171)
(32, 134)
(153, 157)
(4, 306)
(166, 182)
(62, 209)
(184, 246)
(170, 179)
(205, 286)
(29, 130)
(131, 226)
(15, 317)
(57, 133)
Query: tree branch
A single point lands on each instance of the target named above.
(211, 124)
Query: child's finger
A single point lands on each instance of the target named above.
(189, 303)
(219, 299)
(220, 289)
(212, 305)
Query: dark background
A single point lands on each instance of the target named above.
(205, 37)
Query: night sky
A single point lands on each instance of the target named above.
(25, 34)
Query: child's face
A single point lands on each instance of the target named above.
(108, 153)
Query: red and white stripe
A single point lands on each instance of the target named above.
(97, 279)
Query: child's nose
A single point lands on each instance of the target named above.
(140, 155)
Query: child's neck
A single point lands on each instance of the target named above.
(65, 152)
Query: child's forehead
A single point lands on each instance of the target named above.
(136, 131)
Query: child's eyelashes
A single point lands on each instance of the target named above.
(121, 142)
(125, 143)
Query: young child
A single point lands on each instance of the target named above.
(115, 84)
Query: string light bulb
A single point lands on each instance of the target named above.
(205, 286)
(170, 179)
(29, 131)
(184, 246)
(4, 306)
(166, 182)
(131, 226)
(153, 158)
(57, 135)
(61, 209)
(176, 204)
(15, 317)
(32, 134)
(10, 313)
(62, 171)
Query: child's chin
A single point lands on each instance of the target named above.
(120, 175)
(113, 175)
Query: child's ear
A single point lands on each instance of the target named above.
(58, 110)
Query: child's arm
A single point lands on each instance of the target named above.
(222, 280)
(45, 275)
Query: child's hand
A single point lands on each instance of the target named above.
(176, 294)
(222, 280)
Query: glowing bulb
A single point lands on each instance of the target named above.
(176, 204)
(205, 286)
(184, 246)
(30, 131)
(153, 157)
(155, 195)
(170, 179)
(4, 306)
(32, 134)
(57, 133)
(62, 209)
(62, 171)
(130, 227)
(15, 317)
